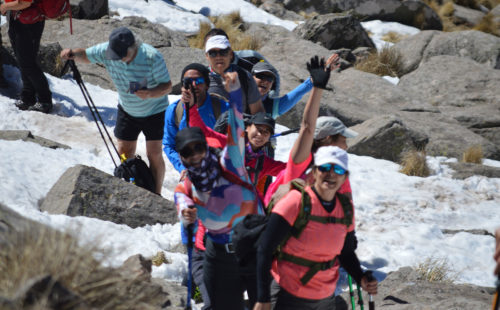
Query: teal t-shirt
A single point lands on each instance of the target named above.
(148, 68)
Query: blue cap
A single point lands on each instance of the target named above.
(119, 42)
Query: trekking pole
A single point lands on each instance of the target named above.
(93, 109)
(351, 292)
(190, 229)
(370, 278)
(286, 132)
(360, 297)
(496, 301)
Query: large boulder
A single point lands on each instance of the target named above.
(277, 9)
(335, 31)
(406, 289)
(89, 9)
(453, 81)
(409, 12)
(86, 191)
(176, 58)
(476, 45)
(466, 16)
(386, 137)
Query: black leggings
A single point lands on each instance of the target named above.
(282, 300)
(226, 281)
(25, 40)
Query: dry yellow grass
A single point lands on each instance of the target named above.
(436, 270)
(473, 154)
(413, 163)
(488, 25)
(231, 23)
(490, 4)
(39, 253)
(387, 61)
(393, 37)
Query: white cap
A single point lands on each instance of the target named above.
(218, 41)
(331, 154)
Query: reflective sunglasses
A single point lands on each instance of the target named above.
(214, 53)
(265, 77)
(198, 148)
(189, 81)
(328, 167)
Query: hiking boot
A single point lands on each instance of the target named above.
(23, 106)
(42, 107)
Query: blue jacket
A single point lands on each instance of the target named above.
(171, 129)
(279, 106)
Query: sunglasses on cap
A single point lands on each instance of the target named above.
(214, 53)
(265, 77)
(189, 81)
(328, 167)
(198, 148)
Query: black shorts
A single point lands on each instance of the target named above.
(128, 127)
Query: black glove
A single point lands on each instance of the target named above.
(318, 74)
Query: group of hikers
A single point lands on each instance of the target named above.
(219, 137)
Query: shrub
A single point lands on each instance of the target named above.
(414, 163)
(473, 154)
(488, 25)
(436, 270)
(30, 254)
(232, 24)
(388, 61)
(393, 37)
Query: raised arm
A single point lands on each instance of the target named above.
(320, 74)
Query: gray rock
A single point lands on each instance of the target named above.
(277, 9)
(50, 61)
(496, 13)
(409, 12)
(453, 81)
(412, 49)
(89, 9)
(405, 289)
(447, 137)
(26, 135)
(176, 58)
(469, 17)
(385, 137)
(466, 170)
(476, 45)
(86, 191)
(335, 31)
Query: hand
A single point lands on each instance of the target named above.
(187, 96)
(67, 53)
(231, 81)
(143, 93)
(369, 285)
(3, 9)
(262, 306)
(189, 215)
(496, 256)
(333, 62)
(319, 73)
(183, 175)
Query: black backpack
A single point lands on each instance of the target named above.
(136, 168)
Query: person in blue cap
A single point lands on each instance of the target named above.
(142, 80)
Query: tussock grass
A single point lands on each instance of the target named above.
(473, 154)
(388, 61)
(413, 163)
(490, 4)
(232, 24)
(488, 25)
(48, 252)
(308, 15)
(393, 37)
(436, 270)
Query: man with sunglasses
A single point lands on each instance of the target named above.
(196, 77)
(142, 80)
(219, 55)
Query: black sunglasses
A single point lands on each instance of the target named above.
(197, 81)
(214, 53)
(198, 148)
(265, 77)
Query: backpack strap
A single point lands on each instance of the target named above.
(216, 106)
(242, 75)
(233, 178)
(314, 267)
(259, 164)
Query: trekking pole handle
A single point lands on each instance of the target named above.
(370, 278)
(286, 132)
